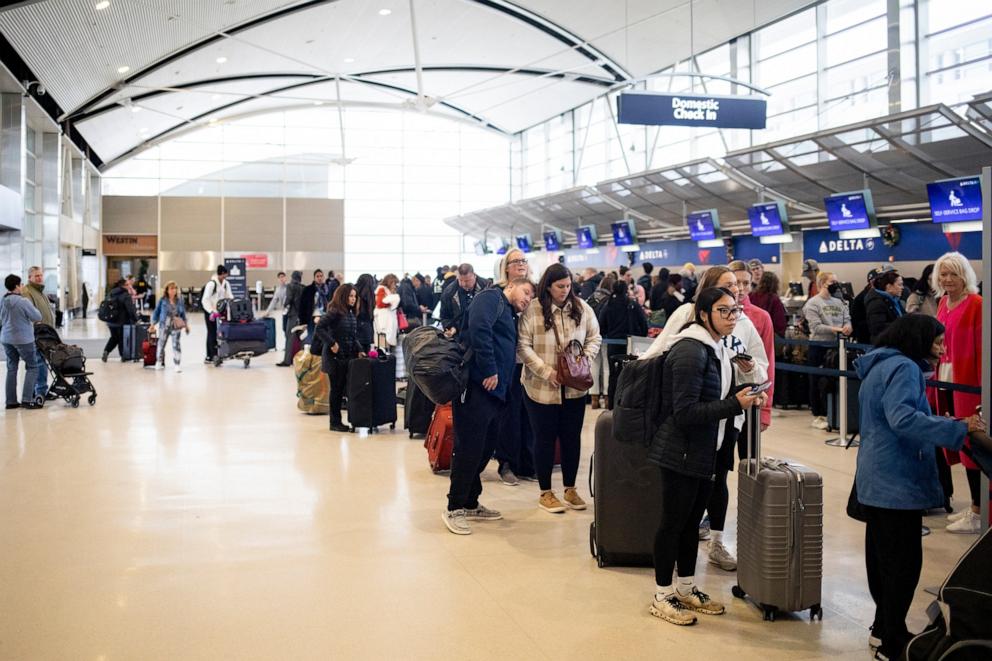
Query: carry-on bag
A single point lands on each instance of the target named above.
(417, 410)
(372, 392)
(235, 347)
(270, 332)
(239, 310)
(247, 331)
(779, 531)
(149, 350)
(134, 336)
(616, 364)
(440, 440)
(313, 389)
(626, 491)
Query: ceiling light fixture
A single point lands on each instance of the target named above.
(385, 12)
(221, 60)
(135, 109)
(123, 69)
(349, 60)
(103, 4)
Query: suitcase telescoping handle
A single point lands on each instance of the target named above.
(753, 450)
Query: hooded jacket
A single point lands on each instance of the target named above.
(881, 309)
(896, 469)
(294, 295)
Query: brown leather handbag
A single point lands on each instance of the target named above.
(573, 367)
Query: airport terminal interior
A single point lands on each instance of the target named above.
(240, 238)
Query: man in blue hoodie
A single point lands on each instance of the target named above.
(489, 332)
(17, 319)
(897, 476)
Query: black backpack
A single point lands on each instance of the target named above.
(437, 364)
(637, 410)
(109, 310)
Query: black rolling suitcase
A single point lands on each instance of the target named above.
(616, 362)
(626, 491)
(417, 410)
(372, 392)
(853, 408)
(791, 389)
(134, 336)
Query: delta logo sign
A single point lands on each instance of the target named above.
(846, 245)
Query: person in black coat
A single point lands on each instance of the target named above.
(656, 296)
(126, 314)
(337, 332)
(883, 304)
(425, 294)
(620, 318)
(365, 287)
(409, 303)
(699, 404)
(590, 283)
(292, 318)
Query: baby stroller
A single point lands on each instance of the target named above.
(66, 362)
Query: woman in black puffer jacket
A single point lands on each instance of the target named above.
(337, 332)
(699, 402)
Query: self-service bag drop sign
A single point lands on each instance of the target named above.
(728, 112)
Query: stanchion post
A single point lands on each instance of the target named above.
(986, 322)
(842, 441)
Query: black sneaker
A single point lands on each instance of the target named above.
(337, 426)
(208, 361)
(104, 356)
(31, 405)
(15, 405)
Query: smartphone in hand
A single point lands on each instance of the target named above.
(760, 387)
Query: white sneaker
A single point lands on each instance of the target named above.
(178, 369)
(820, 422)
(969, 524)
(721, 557)
(672, 610)
(957, 516)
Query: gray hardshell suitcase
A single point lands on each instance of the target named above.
(626, 491)
(779, 532)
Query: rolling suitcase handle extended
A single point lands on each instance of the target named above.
(753, 440)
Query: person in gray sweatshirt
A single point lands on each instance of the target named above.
(827, 315)
(17, 318)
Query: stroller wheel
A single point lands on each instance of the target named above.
(74, 401)
(39, 400)
(92, 400)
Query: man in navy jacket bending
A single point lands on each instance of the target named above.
(490, 333)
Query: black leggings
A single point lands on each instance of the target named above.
(683, 500)
(893, 559)
(975, 485)
(338, 376)
(561, 423)
(719, 501)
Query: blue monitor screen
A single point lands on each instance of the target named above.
(850, 211)
(703, 225)
(523, 242)
(623, 233)
(504, 245)
(552, 241)
(766, 219)
(955, 200)
(586, 236)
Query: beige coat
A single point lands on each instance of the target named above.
(538, 348)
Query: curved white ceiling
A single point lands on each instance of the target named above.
(505, 65)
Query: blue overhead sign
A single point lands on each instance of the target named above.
(850, 211)
(955, 200)
(703, 225)
(727, 112)
(768, 219)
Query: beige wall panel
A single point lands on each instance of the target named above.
(253, 225)
(191, 224)
(184, 279)
(130, 215)
(314, 225)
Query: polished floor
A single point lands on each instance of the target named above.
(201, 516)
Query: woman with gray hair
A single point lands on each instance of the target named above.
(960, 311)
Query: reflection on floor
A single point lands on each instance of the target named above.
(200, 516)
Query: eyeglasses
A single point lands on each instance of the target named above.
(730, 313)
(514, 262)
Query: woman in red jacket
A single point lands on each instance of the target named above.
(960, 310)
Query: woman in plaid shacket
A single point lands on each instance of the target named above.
(556, 413)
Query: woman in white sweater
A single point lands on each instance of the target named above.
(386, 302)
(745, 339)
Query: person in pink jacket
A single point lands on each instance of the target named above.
(763, 323)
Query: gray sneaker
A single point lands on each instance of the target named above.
(507, 477)
(482, 513)
(456, 522)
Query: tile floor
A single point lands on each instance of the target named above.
(200, 516)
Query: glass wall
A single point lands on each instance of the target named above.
(405, 173)
(828, 65)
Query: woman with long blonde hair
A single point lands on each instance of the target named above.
(170, 317)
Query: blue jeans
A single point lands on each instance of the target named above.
(41, 383)
(27, 353)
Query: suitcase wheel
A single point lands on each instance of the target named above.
(392, 426)
(769, 613)
(815, 612)
(738, 592)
